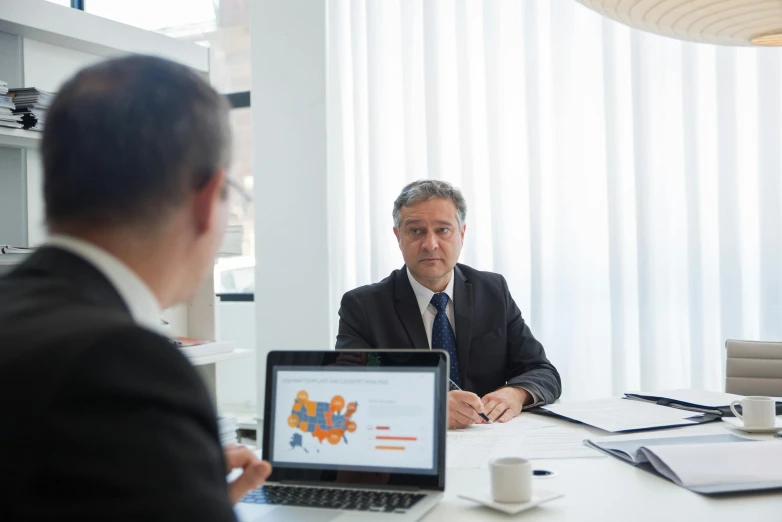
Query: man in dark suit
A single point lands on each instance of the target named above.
(495, 360)
(103, 418)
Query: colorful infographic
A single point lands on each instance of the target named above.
(381, 420)
(324, 420)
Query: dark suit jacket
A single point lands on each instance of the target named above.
(495, 346)
(101, 419)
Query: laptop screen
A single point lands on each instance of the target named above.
(376, 420)
(354, 414)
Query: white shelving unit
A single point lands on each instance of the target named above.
(20, 138)
(41, 45)
(238, 353)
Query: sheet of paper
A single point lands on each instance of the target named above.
(525, 421)
(622, 414)
(470, 452)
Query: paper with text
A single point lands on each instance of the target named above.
(470, 452)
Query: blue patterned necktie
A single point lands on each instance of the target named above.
(442, 336)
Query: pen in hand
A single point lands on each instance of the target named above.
(452, 386)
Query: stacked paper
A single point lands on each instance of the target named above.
(200, 348)
(7, 108)
(232, 241)
(227, 427)
(31, 105)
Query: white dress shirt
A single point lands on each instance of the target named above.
(142, 303)
(428, 311)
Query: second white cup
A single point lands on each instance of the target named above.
(756, 412)
(511, 480)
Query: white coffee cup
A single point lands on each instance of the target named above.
(757, 412)
(511, 480)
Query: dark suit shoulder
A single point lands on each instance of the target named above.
(475, 276)
(382, 288)
(136, 432)
(132, 360)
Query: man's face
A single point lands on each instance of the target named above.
(430, 240)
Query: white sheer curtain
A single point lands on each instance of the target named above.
(628, 186)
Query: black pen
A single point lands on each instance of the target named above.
(452, 385)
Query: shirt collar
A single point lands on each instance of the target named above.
(423, 295)
(142, 303)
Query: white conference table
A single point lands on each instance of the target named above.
(609, 489)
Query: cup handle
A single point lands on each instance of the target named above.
(733, 409)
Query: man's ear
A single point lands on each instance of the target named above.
(207, 200)
(396, 233)
(464, 229)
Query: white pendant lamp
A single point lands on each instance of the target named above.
(725, 22)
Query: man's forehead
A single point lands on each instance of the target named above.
(428, 216)
(436, 208)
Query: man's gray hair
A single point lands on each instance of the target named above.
(426, 189)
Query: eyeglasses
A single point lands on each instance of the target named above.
(240, 189)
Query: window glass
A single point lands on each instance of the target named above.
(222, 25)
(235, 273)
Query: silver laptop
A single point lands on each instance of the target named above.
(352, 435)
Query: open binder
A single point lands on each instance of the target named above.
(708, 464)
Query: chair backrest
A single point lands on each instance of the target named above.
(754, 368)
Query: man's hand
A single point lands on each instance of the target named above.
(463, 409)
(504, 404)
(254, 470)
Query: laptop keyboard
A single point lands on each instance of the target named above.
(345, 499)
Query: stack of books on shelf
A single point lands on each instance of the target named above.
(7, 108)
(31, 106)
(227, 427)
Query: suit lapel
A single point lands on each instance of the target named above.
(462, 300)
(408, 311)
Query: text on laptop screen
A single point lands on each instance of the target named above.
(354, 418)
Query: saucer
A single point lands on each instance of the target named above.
(485, 499)
(736, 423)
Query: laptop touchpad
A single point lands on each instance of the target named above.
(291, 514)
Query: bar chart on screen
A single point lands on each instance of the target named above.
(387, 439)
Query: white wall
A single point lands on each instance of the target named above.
(289, 165)
(237, 379)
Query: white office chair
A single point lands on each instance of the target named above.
(754, 368)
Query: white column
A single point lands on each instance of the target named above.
(288, 39)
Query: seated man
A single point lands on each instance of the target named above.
(433, 302)
(103, 418)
